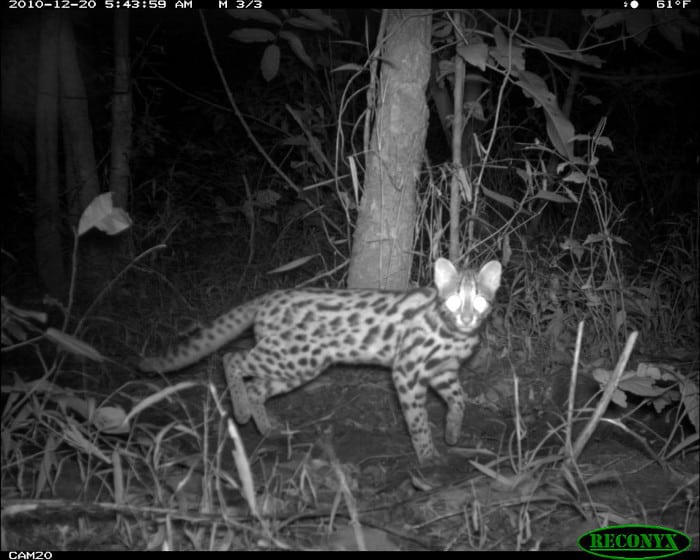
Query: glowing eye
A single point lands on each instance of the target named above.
(480, 304)
(453, 303)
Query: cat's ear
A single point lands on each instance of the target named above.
(489, 278)
(446, 276)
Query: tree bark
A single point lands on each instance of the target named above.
(47, 215)
(81, 168)
(383, 240)
(121, 112)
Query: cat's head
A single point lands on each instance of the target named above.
(467, 295)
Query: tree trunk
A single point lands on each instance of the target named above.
(382, 250)
(81, 168)
(120, 173)
(47, 216)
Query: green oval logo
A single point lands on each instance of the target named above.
(634, 541)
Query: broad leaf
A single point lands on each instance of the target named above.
(297, 47)
(262, 16)
(475, 54)
(270, 62)
(252, 35)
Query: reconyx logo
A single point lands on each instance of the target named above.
(634, 541)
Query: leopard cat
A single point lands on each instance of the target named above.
(422, 334)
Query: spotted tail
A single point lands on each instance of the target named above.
(205, 340)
